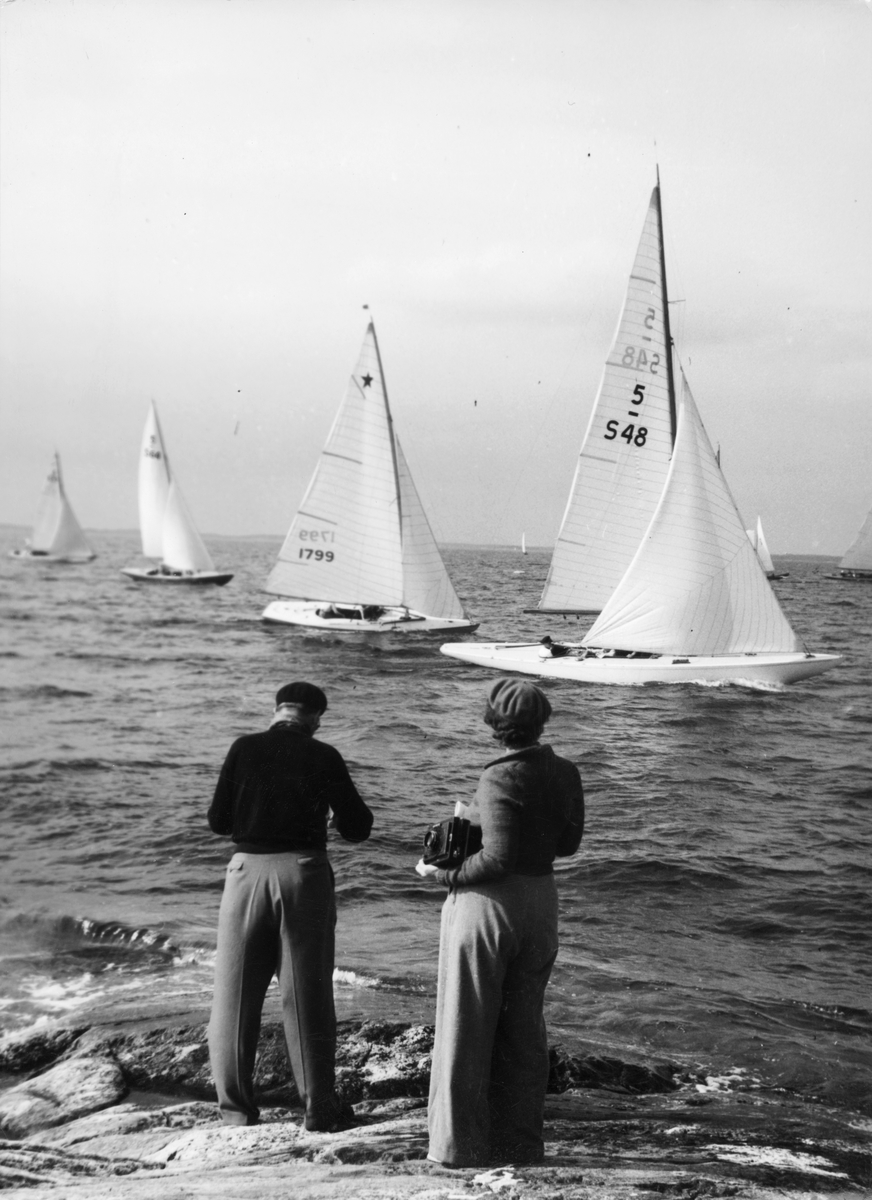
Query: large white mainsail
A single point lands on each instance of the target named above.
(858, 560)
(360, 536)
(56, 532)
(695, 585)
(626, 450)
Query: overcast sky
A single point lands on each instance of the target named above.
(199, 196)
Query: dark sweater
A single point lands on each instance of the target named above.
(532, 810)
(276, 789)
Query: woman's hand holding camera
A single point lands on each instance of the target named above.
(425, 870)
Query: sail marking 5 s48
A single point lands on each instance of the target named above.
(626, 450)
(695, 585)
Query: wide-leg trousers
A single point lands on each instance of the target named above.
(497, 946)
(277, 917)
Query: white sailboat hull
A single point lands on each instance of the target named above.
(532, 658)
(35, 556)
(155, 575)
(391, 620)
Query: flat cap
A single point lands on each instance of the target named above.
(306, 695)
(519, 701)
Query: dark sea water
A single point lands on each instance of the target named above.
(718, 913)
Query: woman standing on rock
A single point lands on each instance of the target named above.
(499, 942)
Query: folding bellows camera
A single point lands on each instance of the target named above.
(450, 842)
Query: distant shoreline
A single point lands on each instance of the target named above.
(24, 530)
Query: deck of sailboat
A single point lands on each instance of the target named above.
(390, 620)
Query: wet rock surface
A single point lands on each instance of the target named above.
(612, 1128)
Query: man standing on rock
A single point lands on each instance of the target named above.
(278, 911)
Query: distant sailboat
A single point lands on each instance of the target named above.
(57, 535)
(523, 543)
(166, 526)
(856, 566)
(692, 605)
(359, 554)
(758, 541)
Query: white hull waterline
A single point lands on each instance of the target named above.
(156, 575)
(583, 665)
(309, 615)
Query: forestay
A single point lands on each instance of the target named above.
(626, 450)
(695, 585)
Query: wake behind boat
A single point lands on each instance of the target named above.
(166, 526)
(57, 536)
(360, 554)
(693, 604)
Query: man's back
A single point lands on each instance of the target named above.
(276, 789)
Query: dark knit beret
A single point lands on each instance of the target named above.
(519, 701)
(307, 695)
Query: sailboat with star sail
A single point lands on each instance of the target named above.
(692, 603)
(360, 554)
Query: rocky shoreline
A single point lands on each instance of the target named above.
(118, 1111)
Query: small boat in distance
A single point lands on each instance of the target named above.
(165, 524)
(692, 605)
(360, 554)
(856, 566)
(758, 541)
(57, 535)
(523, 543)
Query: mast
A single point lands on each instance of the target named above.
(669, 366)
(390, 428)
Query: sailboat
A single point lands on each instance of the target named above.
(360, 554)
(166, 526)
(523, 543)
(692, 604)
(856, 566)
(758, 541)
(57, 535)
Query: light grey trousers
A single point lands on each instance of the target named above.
(497, 946)
(277, 917)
